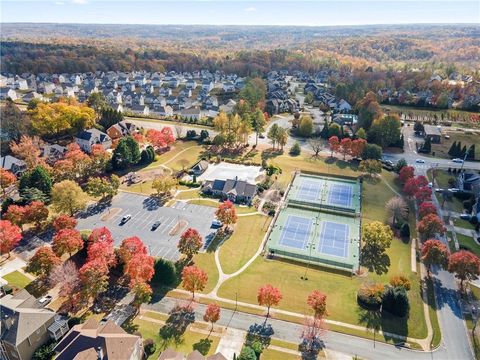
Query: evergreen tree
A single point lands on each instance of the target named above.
(36, 178)
(324, 132)
(451, 151)
(471, 153)
(458, 150)
(126, 153)
(427, 146)
(463, 152)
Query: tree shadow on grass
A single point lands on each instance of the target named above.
(261, 333)
(203, 346)
(375, 262)
(376, 320)
(176, 325)
(270, 154)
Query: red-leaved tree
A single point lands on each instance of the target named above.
(423, 193)
(36, 212)
(16, 215)
(67, 241)
(431, 225)
(160, 138)
(212, 314)
(194, 279)
(318, 302)
(334, 144)
(426, 208)
(268, 296)
(421, 181)
(465, 265)
(10, 236)
(410, 187)
(139, 269)
(434, 252)
(93, 278)
(102, 234)
(406, 173)
(130, 247)
(190, 243)
(345, 147)
(227, 213)
(357, 147)
(102, 251)
(64, 222)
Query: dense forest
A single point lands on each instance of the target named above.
(241, 49)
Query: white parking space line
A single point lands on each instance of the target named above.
(167, 226)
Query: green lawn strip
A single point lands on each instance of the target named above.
(155, 315)
(206, 261)
(271, 354)
(451, 242)
(17, 279)
(284, 344)
(289, 164)
(150, 330)
(169, 122)
(242, 245)
(474, 339)
(189, 194)
(144, 188)
(463, 224)
(468, 243)
(432, 310)
(215, 203)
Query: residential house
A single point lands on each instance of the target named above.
(32, 95)
(123, 128)
(163, 110)
(191, 84)
(6, 93)
(211, 102)
(21, 84)
(200, 167)
(140, 80)
(192, 114)
(53, 152)
(186, 93)
(228, 107)
(141, 110)
(87, 138)
(345, 119)
(16, 166)
(232, 189)
(173, 83)
(207, 85)
(344, 106)
(48, 88)
(432, 132)
(165, 92)
(170, 354)
(94, 341)
(156, 81)
(228, 86)
(26, 325)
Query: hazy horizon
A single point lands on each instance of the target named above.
(243, 13)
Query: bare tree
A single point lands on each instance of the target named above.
(314, 328)
(65, 275)
(316, 145)
(397, 209)
(178, 131)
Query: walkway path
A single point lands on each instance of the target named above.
(231, 343)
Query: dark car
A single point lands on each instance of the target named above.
(155, 225)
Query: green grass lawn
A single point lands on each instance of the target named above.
(191, 155)
(242, 245)
(441, 150)
(463, 224)
(432, 308)
(17, 279)
(189, 194)
(340, 289)
(468, 243)
(150, 330)
(289, 164)
(270, 354)
(206, 261)
(215, 203)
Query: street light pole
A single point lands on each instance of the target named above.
(465, 157)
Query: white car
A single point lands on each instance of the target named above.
(457, 160)
(217, 223)
(420, 161)
(125, 219)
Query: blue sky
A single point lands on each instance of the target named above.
(311, 13)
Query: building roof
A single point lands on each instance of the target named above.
(115, 343)
(93, 133)
(432, 130)
(7, 162)
(232, 186)
(22, 315)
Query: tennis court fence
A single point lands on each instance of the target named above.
(313, 260)
(335, 210)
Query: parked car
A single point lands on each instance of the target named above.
(155, 225)
(457, 160)
(454, 190)
(438, 190)
(430, 185)
(420, 161)
(217, 223)
(125, 219)
(45, 300)
(465, 217)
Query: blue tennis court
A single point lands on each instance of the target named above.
(295, 232)
(334, 239)
(309, 190)
(340, 194)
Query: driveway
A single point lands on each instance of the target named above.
(145, 211)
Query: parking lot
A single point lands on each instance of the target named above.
(144, 210)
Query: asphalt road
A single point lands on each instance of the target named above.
(145, 211)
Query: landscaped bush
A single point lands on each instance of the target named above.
(247, 354)
(395, 301)
(149, 347)
(165, 273)
(405, 231)
(295, 150)
(369, 296)
(191, 184)
(400, 281)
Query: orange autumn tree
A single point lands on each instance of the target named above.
(190, 243)
(212, 314)
(268, 296)
(10, 236)
(6, 180)
(318, 302)
(194, 279)
(227, 213)
(67, 241)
